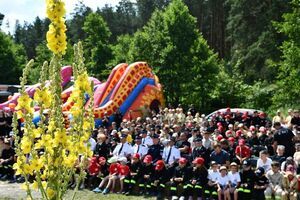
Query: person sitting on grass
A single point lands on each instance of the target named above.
(109, 179)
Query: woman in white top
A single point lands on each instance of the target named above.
(223, 184)
(235, 179)
(264, 161)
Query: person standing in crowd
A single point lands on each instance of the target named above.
(123, 149)
(155, 150)
(283, 136)
(275, 178)
(220, 156)
(139, 148)
(288, 119)
(200, 151)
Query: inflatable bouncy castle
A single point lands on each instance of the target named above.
(130, 89)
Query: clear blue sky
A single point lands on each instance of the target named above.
(27, 10)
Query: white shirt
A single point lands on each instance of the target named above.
(213, 176)
(234, 178)
(266, 165)
(141, 149)
(175, 154)
(207, 143)
(147, 141)
(191, 141)
(93, 144)
(223, 180)
(125, 151)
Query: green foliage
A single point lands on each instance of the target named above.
(12, 60)
(288, 79)
(171, 43)
(96, 45)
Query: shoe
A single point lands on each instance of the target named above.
(20, 180)
(124, 192)
(174, 197)
(97, 190)
(4, 178)
(81, 187)
(181, 198)
(127, 193)
(105, 191)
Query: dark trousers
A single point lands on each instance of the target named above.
(6, 169)
(244, 193)
(191, 189)
(211, 192)
(174, 188)
(145, 184)
(130, 182)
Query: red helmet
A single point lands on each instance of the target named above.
(136, 155)
(159, 165)
(242, 142)
(252, 128)
(238, 133)
(199, 161)
(228, 133)
(182, 160)
(231, 139)
(220, 137)
(102, 160)
(219, 124)
(147, 159)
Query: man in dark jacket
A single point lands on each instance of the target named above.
(159, 179)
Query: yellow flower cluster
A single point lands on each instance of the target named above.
(43, 97)
(56, 36)
(24, 105)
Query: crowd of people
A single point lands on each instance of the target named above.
(181, 154)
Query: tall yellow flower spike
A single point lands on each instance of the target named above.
(56, 36)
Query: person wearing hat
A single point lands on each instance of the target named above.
(183, 145)
(7, 161)
(110, 178)
(101, 148)
(146, 139)
(210, 191)
(132, 178)
(290, 184)
(235, 179)
(195, 134)
(247, 182)
(180, 176)
(223, 184)
(260, 184)
(200, 151)
(242, 151)
(159, 179)
(156, 149)
(139, 148)
(198, 179)
(123, 149)
(275, 178)
(171, 155)
(146, 171)
(283, 136)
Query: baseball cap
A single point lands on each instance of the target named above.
(213, 163)
(231, 139)
(147, 159)
(182, 160)
(123, 159)
(223, 168)
(199, 161)
(155, 136)
(247, 163)
(136, 155)
(113, 159)
(197, 139)
(233, 164)
(260, 171)
(159, 165)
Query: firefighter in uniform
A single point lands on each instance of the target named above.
(180, 177)
(131, 180)
(198, 179)
(247, 182)
(146, 171)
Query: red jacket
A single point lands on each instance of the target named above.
(124, 170)
(94, 168)
(243, 151)
(114, 168)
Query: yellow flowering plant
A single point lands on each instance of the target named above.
(50, 152)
